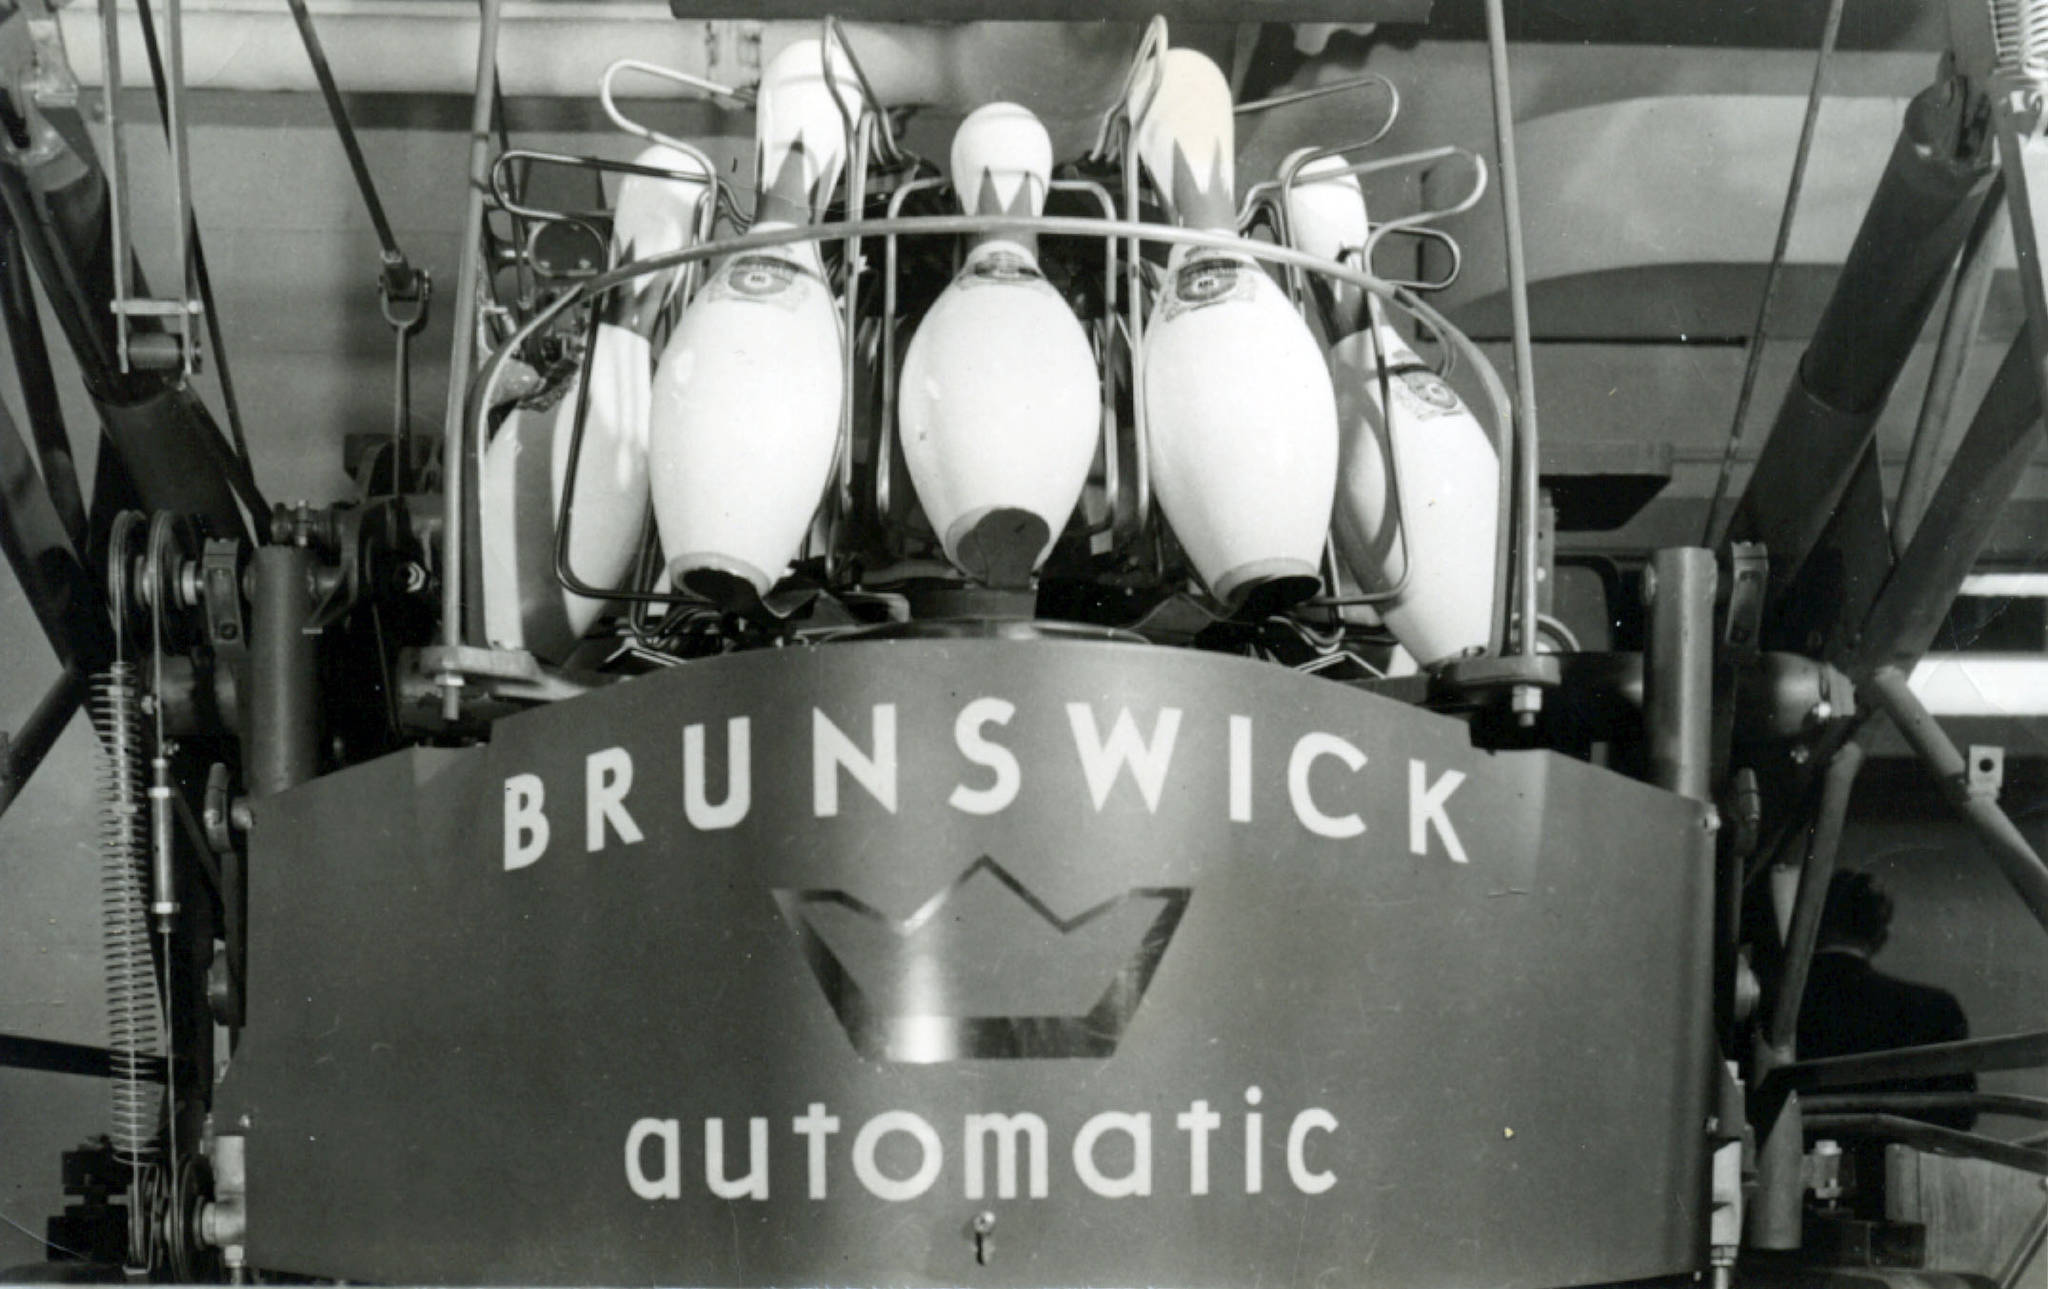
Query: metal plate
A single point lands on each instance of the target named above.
(1458, 1001)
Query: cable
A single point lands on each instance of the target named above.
(1709, 536)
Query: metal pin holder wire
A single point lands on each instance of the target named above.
(1119, 334)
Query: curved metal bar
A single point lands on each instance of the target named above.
(1400, 297)
(893, 155)
(511, 205)
(1325, 91)
(719, 195)
(1149, 45)
(885, 451)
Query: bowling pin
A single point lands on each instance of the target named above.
(1447, 510)
(1326, 218)
(1241, 418)
(1001, 402)
(527, 463)
(747, 395)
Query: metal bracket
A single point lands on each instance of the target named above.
(1986, 773)
(179, 347)
(1748, 575)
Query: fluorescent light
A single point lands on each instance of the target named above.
(2029, 586)
(1982, 684)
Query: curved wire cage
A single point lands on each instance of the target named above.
(1128, 522)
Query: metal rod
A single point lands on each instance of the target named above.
(1959, 327)
(20, 1052)
(1904, 252)
(2025, 1250)
(39, 394)
(181, 165)
(1927, 1136)
(26, 747)
(283, 699)
(64, 596)
(2008, 847)
(2003, 1103)
(2023, 1051)
(454, 460)
(1527, 465)
(1678, 698)
(244, 480)
(1753, 359)
(397, 269)
(117, 165)
(1958, 521)
(1814, 877)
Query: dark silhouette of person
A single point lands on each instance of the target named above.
(1852, 1007)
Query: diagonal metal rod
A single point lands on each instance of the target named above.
(1814, 877)
(2015, 858)
(1959, 327)
(39, 395)
(1710, 535)
(25, 749)
(398, 271)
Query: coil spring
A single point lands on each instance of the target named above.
(2020, 30)
(134, 1023)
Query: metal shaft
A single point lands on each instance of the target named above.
(1959, 327)
(2002, 438)
(1814, 877)
(1527, 455)
(283, 703)
(1678, 700)
(454, 456)
(1923, 210)
(2000, 837)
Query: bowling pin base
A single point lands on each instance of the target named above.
(732, 584)
(998, 546)
(1267, 586)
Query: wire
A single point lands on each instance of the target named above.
(1710, 534)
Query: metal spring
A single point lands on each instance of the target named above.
(134, 1017)
(2020, 30)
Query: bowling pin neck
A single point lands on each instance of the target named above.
(1202, 198)
(800, 133)
(1002, 257)
(797, 191)
(1187, 140)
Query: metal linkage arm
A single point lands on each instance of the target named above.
(1917, 222)
(2022, 867)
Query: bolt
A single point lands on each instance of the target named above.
(1526, 701)
(1801, 754)
(1823, 712)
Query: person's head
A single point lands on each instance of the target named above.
(1857, 915)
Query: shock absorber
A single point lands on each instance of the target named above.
(134, 1018)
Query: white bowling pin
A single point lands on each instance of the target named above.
(1326, 218)
(747, 395)
(1001, 400)
(1241, 418)
(1447, 511)
(526, 465)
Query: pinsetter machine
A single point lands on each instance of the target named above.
(992, 717)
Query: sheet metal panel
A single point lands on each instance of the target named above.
(1487, 1070)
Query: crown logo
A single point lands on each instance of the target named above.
(983, 969)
